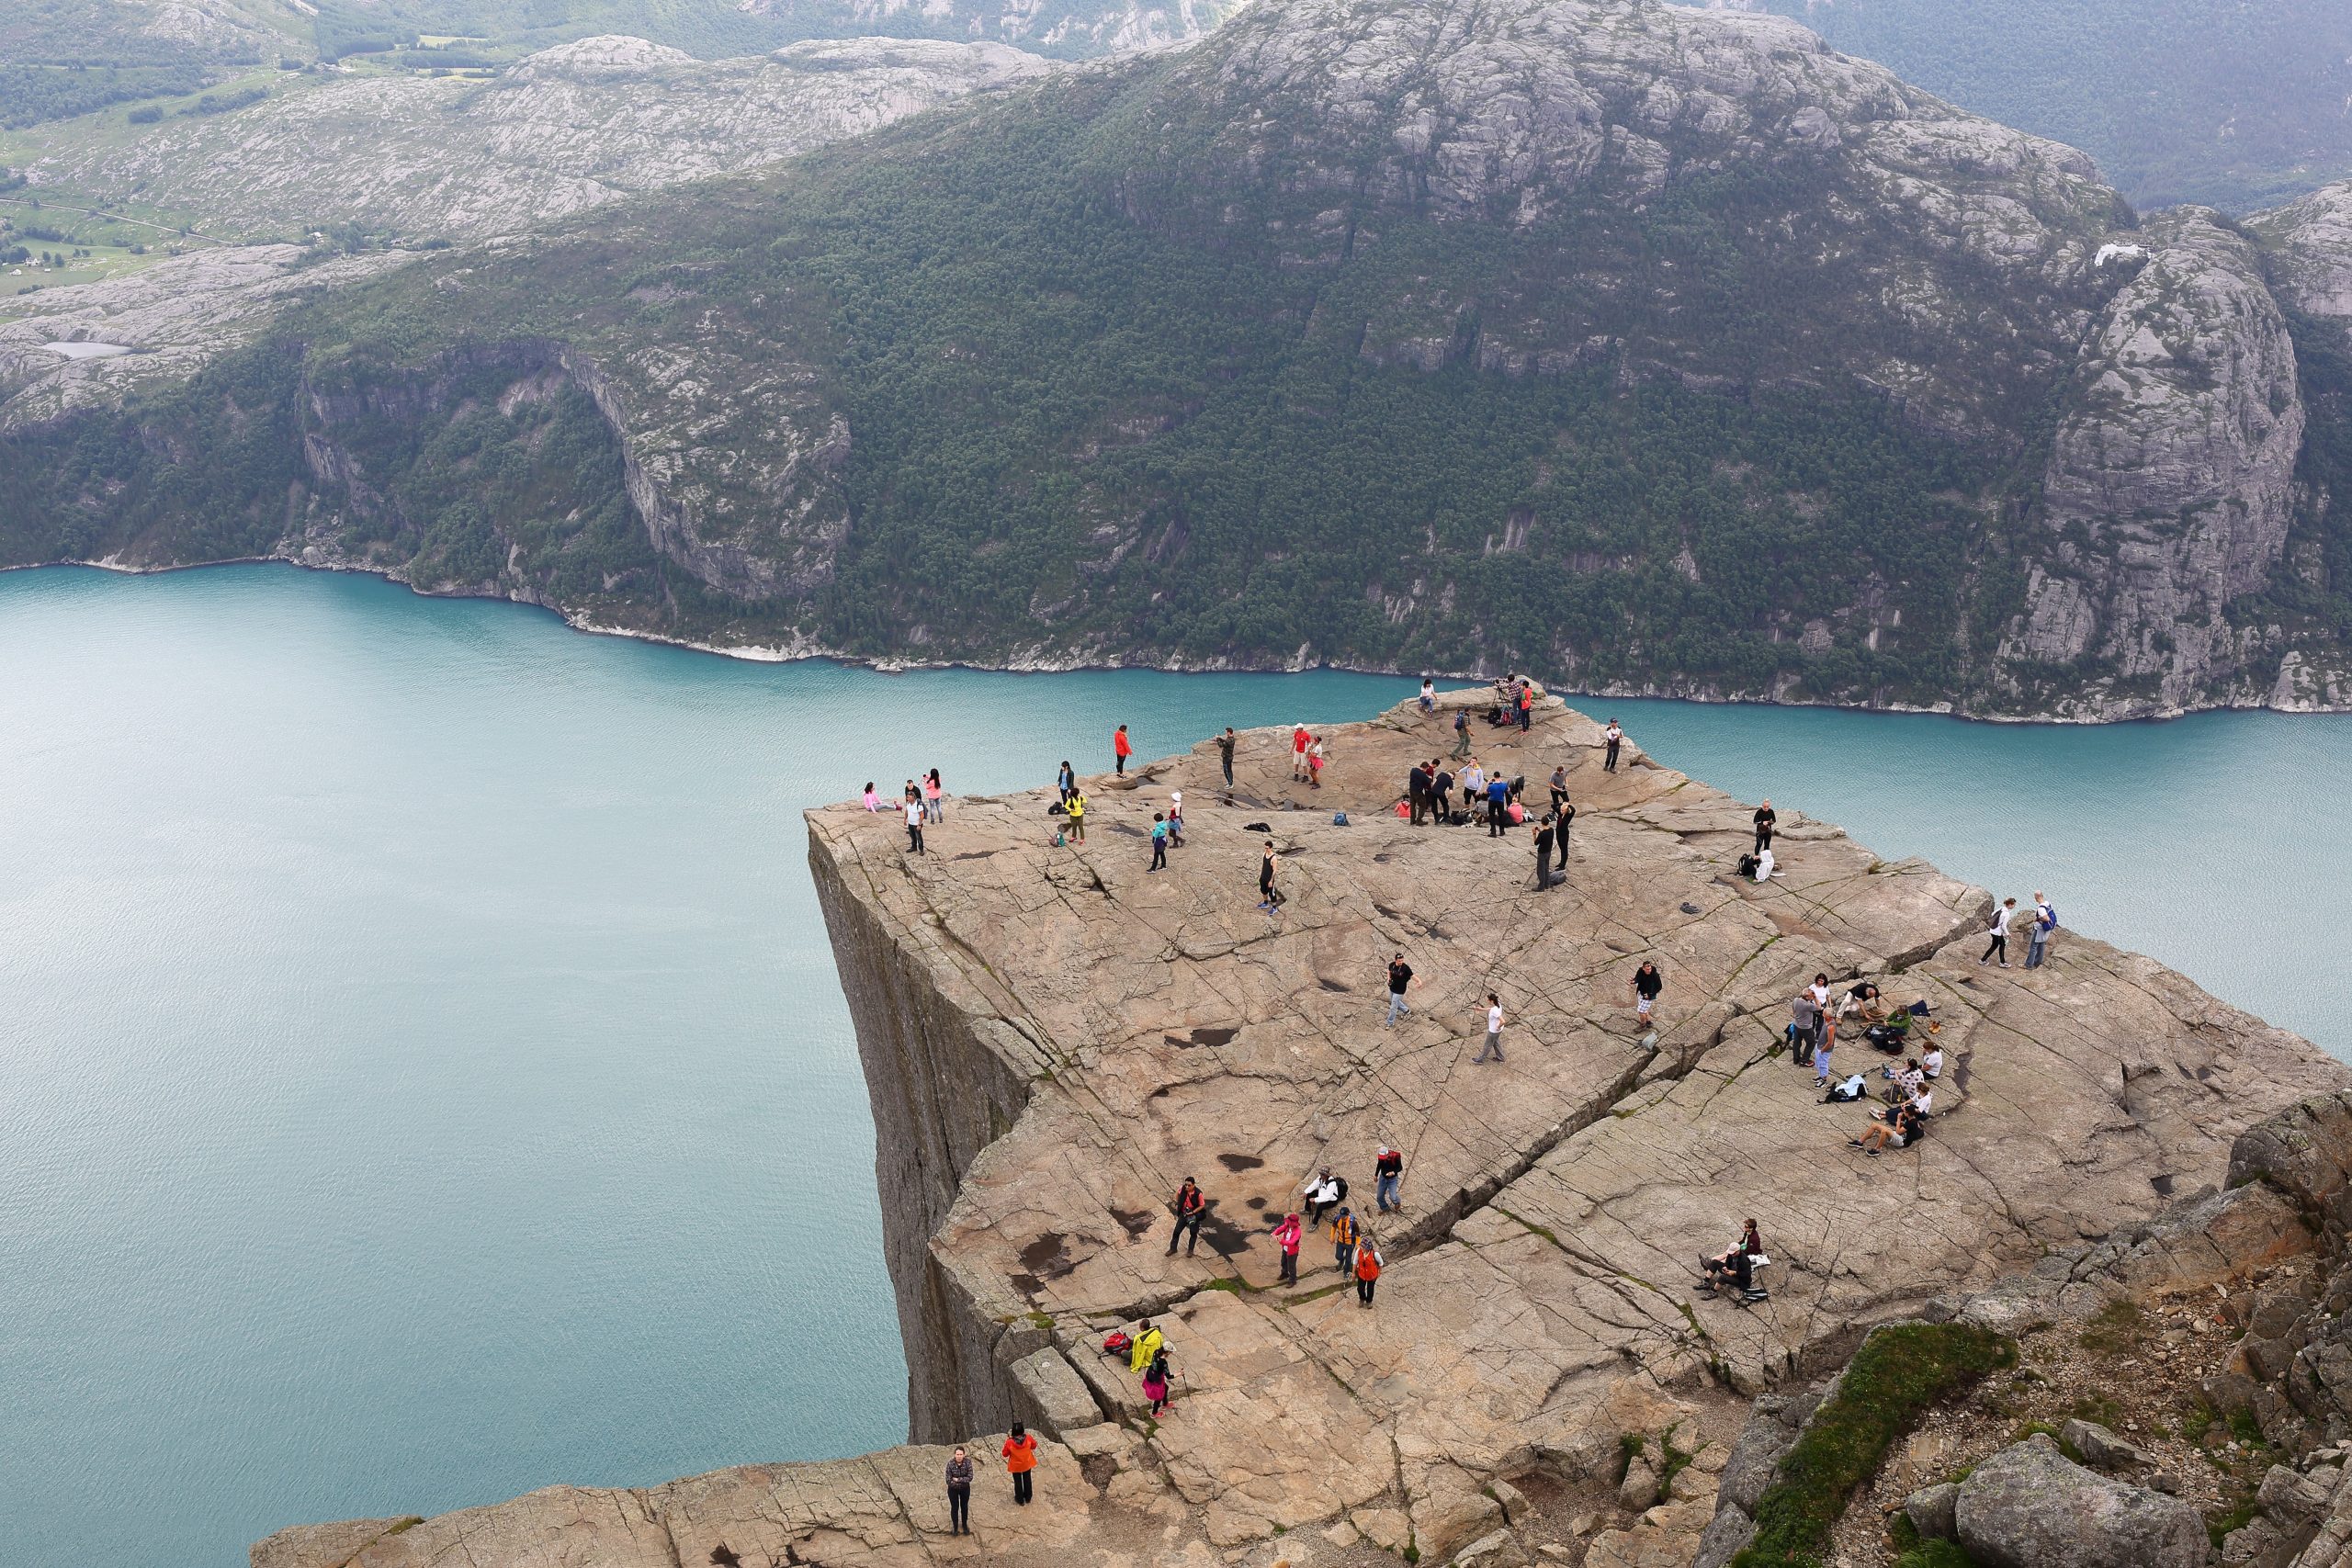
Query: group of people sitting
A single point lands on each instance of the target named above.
(1736, 1267)
(1812, 1036)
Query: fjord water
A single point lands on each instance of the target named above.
(422, 1076)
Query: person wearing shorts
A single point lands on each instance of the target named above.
(1648, 984)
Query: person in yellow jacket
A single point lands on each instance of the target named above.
(1344, 1233)
(1147, 1343)
(1076, 812)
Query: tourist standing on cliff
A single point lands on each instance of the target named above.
(1766, 820)
(1269, 899)
(1417, 791)
(1343, 1239)
(1158, 842)
(934, 805)
(1400, 978)
(1647, 983)
(1067, 782)
(1021, 1459)
(1298, 739)
(1175, 819)
(914, 821)
(1121, 749)
(1613, 736)
(1075, 809)
(1286, 1236)
(1999, 933)
(2037, 935)
(1315, 762)
(1494, 1044)
(1367, 1272)
(960, 1494)
(1389, 1179)
(1224, 754)
(1545, 839)
(1148, 1340)
(1461, 732)
(1191, 1208)
(1559, 788)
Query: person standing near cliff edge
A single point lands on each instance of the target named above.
(1648, 984)
(913, 807)
(1224, 754)
(1766, 820)
(960, 1494)
(1613, 737)
(1121, 749)
(1021, 1459)
(2044, 920)
(1269, 900)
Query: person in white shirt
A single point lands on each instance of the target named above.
(1613, 737)
(1764, 867)
(1494, 1045)
(1999, 932)
(1428, 694)
(1932, 1063)
(914, 825)
(1473, 780)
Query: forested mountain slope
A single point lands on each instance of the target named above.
(1647, 347)
(2218, 101)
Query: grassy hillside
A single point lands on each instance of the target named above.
(2215, 101)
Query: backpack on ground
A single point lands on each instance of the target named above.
(1118, 1342)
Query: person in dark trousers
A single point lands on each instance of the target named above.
(1191, 1208)
(912, 806)
(1388, 1178)
(1343, 1239)
(1400, 976)
(1766, 820)
(1526, 706)
(1121, 749)
(1545, 839)
(1648, 984)
(1494, 1045)
(1067, 782)
(1021, 1459)
(1158, 842)
(960, 1494)
(1999, 932)
(1559, 789)
(1613, 737)
(1286, 1236)
(1461, 732)
(1417, 791)
(1497, 807)
(1224, 754)
(1440, 795)
(1367, 1272)
(1566, 815)
(1269, 899)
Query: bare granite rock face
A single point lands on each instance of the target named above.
(1055, 1036)
(174, 317)
(2170, 488)
(2311, 247)
(1107, 26)
(566, 129)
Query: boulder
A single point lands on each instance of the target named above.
(2030, 1506)
(1639, 1490)
(2101, 1449)
(2306, 1152)
(1500, 1549)
(1753, 1460)
(1929, 1510)
(1727, 1534)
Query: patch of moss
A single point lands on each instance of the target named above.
(1899, 1374)
(1936, 1554)
(2116, 1329)
(2223, 1521)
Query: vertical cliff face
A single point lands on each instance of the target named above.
(2169, 489)
(946, 1082)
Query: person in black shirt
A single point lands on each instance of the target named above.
(1567, 815)
(1417, 790)
(1269, 900)
(1400, 975)
(1224, 754)
(1544, 842)
(1191, 1208)
(1648, 984)
(1766, 819)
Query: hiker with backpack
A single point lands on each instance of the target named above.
(1324, 1192)
(1389, 1178)
(1345, 1233)
(2037, 936)
(1461, 732)
(1998, 934)
(1366, 1271)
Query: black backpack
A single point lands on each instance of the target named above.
(1341, 1183)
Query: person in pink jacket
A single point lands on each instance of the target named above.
(1286, 1236)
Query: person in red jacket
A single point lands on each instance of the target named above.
(1286, 1236)
(1367, 1270)
(1021, 1459)
(1121, 749)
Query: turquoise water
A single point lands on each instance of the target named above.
(422, 1076)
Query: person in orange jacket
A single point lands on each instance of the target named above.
(1021, 1459)
(1367, 1270)
(1121, 749)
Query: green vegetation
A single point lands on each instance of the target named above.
(1936, 1554)
(2116, 1329)
(2211, 101)
(32, 94)
(1896, 1376)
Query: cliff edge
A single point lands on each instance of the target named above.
(1055, 1037)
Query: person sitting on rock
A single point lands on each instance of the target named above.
(1861, 1002)
(1931, 1065)
(1733, 1263)
(1324, 1192)
(1901, 1132)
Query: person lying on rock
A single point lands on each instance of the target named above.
(1861, 1002)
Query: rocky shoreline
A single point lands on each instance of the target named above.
(1053, 1036)
(2286, 696)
